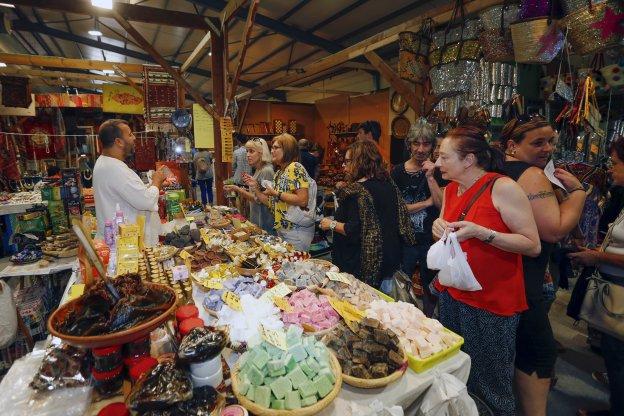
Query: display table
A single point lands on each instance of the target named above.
(7, 209)
(34, 269)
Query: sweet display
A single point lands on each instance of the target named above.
(202, 258)
(96, 313)
(356, 292)
(183, 237)
(310, 309)
(61, 245)
(202, 344)
(63, 366)
(164, 386)
(367, 351)
(289, 379)
(244, 323)
(240, 286)
(420, 336)
(302, 273)
(155, 271)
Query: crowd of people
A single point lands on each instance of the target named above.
(501, 207)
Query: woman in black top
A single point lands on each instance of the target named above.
(529, 143)
(371, 221)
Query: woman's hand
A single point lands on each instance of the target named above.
(324, 224)
(439, 227)
(270, 192)
(465, 230)
(250, 181)
(429, 167)
(585, 257)
(567, 179)
(231, 188)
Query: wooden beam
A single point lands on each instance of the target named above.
(56, 62)
(66, 75)
(441, 15)
(229, 10)
(241, 115)
(129, 80)
(359, 65)
(131, 12)
(217, 61)
(321, 91)
(165, 65)
(65, 83)
(193, 56)
(406, 91)
(253, 8)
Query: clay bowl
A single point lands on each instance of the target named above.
(115, 338)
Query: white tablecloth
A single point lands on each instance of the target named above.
(33, 269)
(6, 209)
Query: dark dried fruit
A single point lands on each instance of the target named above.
(164, 386)
(202, 344)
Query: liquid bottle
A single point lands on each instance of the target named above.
(109, 233)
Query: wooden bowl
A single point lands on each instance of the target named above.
(305, 411)
(248, 272)
(115, 338)
(375, 383)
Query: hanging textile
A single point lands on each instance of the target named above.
(145, 153)
(161, 95)
(16, 91)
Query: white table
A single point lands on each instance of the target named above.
(6, 209)
(33, 269)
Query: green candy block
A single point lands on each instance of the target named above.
(251, 393)
(262, 396)
(293, 335)
(306, 369)
(290, 362)
(260, 359)
(327, 372)
(313, 364)
(323, 386)
(255, 376)
(244, 358)
(268, 380)
(278, 404)
(278, 373)
(280, 387)
(297, 377)
(274, 365)
(272, 350)
(308, 401)
(307, 389)
(293, 401)
(298, 352)
(243, 386)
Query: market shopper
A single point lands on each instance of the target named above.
(240, 165)
(529, 143)
(114, 183)
(371, 223)
(609, 260)
(498, 228)
(259, 158)
(204, 175)
(369, 130)
(423, 198)
(288, 198)
(308, 160)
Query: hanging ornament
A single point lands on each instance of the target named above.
(611, 24)
(551, 41)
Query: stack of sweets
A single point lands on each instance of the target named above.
(302, 273)
(244, 324)
(240, 285)
(420, 336)
(358, 293)
(286, 380)
(311, 310)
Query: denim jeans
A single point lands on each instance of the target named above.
(205, 186)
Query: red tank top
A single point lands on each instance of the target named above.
(499, 272)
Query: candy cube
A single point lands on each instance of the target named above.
(308, 401)
(280, 387)
(278, 404)
(323, 385)
(298, 351)
(307, 389)
(250, 393)
(262, 396)
(260, 359)
(297, 377)
(293, 401)
(256, 377)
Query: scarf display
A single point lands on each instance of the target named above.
(15, 91)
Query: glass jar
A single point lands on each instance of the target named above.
(107, 383)
(106, 358)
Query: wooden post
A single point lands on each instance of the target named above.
(243, 50)
(218, 60)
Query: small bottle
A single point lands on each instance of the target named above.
(109, 233)
(119, 217)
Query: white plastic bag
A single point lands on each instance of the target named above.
(375, 408)
(447, 396)
(447, 256)
(8, 316)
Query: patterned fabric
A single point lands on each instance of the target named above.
(240, 165)
(16, 92)
(490, 341)
(288, 180)
(370, 232)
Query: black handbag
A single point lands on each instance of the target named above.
(578, 293)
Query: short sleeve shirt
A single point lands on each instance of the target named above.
(288, 180)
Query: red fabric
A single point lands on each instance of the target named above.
(35, 145)
(499, 272)
(8, 160)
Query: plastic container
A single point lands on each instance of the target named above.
(186, 312)
(206, 368)
(419, 365)
(188, 324)
(141, 366)
(119, 218)
(114, 409)
(109, 233)
(213, 380)
(107, 358)
(108, 383)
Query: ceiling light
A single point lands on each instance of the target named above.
(95, 32)
(7, 5)
(209, 53)
(105, 4)
(2, 65)
(108, 71)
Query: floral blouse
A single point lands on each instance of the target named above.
(288, 180)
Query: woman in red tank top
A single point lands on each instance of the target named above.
(497, 229)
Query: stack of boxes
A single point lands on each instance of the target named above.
(63, 197)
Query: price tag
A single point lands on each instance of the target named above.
(276, 337)
(282, 303)
(213, 284)
(168, 264)
(346, 310)
(280, 290)
(339, 277)
(232, 300)
(180, 273)
(206, 239)
(185, 255)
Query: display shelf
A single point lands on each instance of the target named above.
(8, 209)
(34, 269)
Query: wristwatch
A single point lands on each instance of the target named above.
(332, 225)
(491, 237)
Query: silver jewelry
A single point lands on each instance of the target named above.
(332, 225)
(491, 237)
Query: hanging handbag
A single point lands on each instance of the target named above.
(536, 40)
(603, 305)
(454, 55)
(495, 37)
(614, 74)
(584, 37)
(413, 50)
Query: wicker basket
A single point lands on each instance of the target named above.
(305, 411)
(582, 36)
(570, 6)
(376, 383)
(413, 50)
(526, 35)
(495, 38)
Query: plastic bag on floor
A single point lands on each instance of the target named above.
(375, 408)
(447, 256)
(17, 398)
(447, 396)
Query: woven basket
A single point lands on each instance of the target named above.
(526, 35)
(413, 50)
(582, 36)
(495, 38)
(569, 6)
(305, 411)
(376, 383)
(453, 79)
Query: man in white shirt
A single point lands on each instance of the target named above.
(115, 183)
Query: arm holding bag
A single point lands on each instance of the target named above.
(451, 260)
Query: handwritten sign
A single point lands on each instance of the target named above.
(280, 290)
(282, 303)
(346, 310)
(232, 300)
(227, 145)
(185, 255)
(339, 277)
(203, 128)
(276, 337)
(215, 284)
(180, 273)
